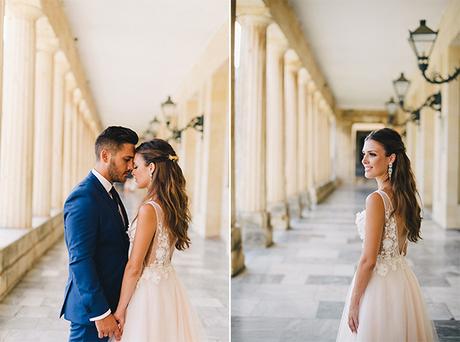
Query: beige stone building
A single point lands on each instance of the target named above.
(306, 95)
(72, 68)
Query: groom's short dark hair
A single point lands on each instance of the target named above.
(113, 137)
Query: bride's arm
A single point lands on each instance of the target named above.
(375, 221)
(145, 230)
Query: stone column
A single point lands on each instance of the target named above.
(333, 147)
(2, 15)
(310, 141)
(70, 85)
(302, 139)
(60, 68)
(76, 97)
(236, 243)
(46, 47)
(291, 67)
(316, 146)
(276, 179)
(251, 132)
(446, 192)
(326, 144)
(81, 147)
(87, 151)
(209, 218)
(16, 167)
(424, 159)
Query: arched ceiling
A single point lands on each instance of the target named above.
(135, 53)
(361, 45)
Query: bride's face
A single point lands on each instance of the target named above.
(142, 172)
(374, 160)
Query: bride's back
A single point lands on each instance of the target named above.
(401, 228)
(162, 246)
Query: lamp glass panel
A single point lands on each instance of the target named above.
(401, 88)
(169, 110)
(392, 107)
(423, 43)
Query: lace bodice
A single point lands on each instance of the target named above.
(389, 256)
(157, 263)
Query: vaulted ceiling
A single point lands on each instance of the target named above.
(361, 45)
(137, 52)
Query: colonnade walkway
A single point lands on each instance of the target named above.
(30, 312)
(295, 290)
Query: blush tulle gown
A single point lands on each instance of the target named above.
(159, 309)
(392, 307)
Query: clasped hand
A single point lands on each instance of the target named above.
(110, 326)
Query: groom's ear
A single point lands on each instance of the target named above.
(105, 155)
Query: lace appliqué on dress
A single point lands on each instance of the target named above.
(389, 257)
(161, 266)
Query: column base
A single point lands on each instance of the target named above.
(319, 193)
(237, 251)
(279, 217)
(256, 228)
(294, 208)
(305, 203)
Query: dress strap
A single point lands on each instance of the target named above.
(158, 211)
(386, 200)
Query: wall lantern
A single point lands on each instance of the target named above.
(169, 112)
(422, 41)
(401, 86)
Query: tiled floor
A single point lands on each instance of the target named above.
(30, 312)
(295, 290)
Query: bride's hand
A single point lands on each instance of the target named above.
(353, 315)
(120, 317)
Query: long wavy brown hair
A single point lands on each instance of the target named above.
(168, 187)
(405, 195)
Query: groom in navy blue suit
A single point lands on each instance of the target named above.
(95, 224)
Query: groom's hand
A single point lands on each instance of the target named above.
(108, 327)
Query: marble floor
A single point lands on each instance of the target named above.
(30, 312)
(295, 290)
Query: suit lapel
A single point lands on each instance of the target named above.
(106, 196)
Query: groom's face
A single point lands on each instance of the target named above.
(121, 163)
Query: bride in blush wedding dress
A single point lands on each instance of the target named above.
(153, 303)
(385, 302)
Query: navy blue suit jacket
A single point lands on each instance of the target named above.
(98, 245)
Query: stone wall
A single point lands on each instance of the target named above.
(19, 256)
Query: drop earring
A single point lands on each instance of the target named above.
(390, 170)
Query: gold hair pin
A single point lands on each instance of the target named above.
(173, 158)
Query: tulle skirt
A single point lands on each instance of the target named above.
(392, 309)
(160, 310)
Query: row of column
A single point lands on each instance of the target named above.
(47, 132)
(284, 135)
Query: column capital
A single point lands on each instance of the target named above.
(71, 83)
(303, 77)
(46, 39)
(61, 62)
(83, 108)
(292, 61)
(311, 87)
(76, 96)
(254, 20)
(251, 7)
(276, 38)
(30, 9)
(317, 96)
(322, 105)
